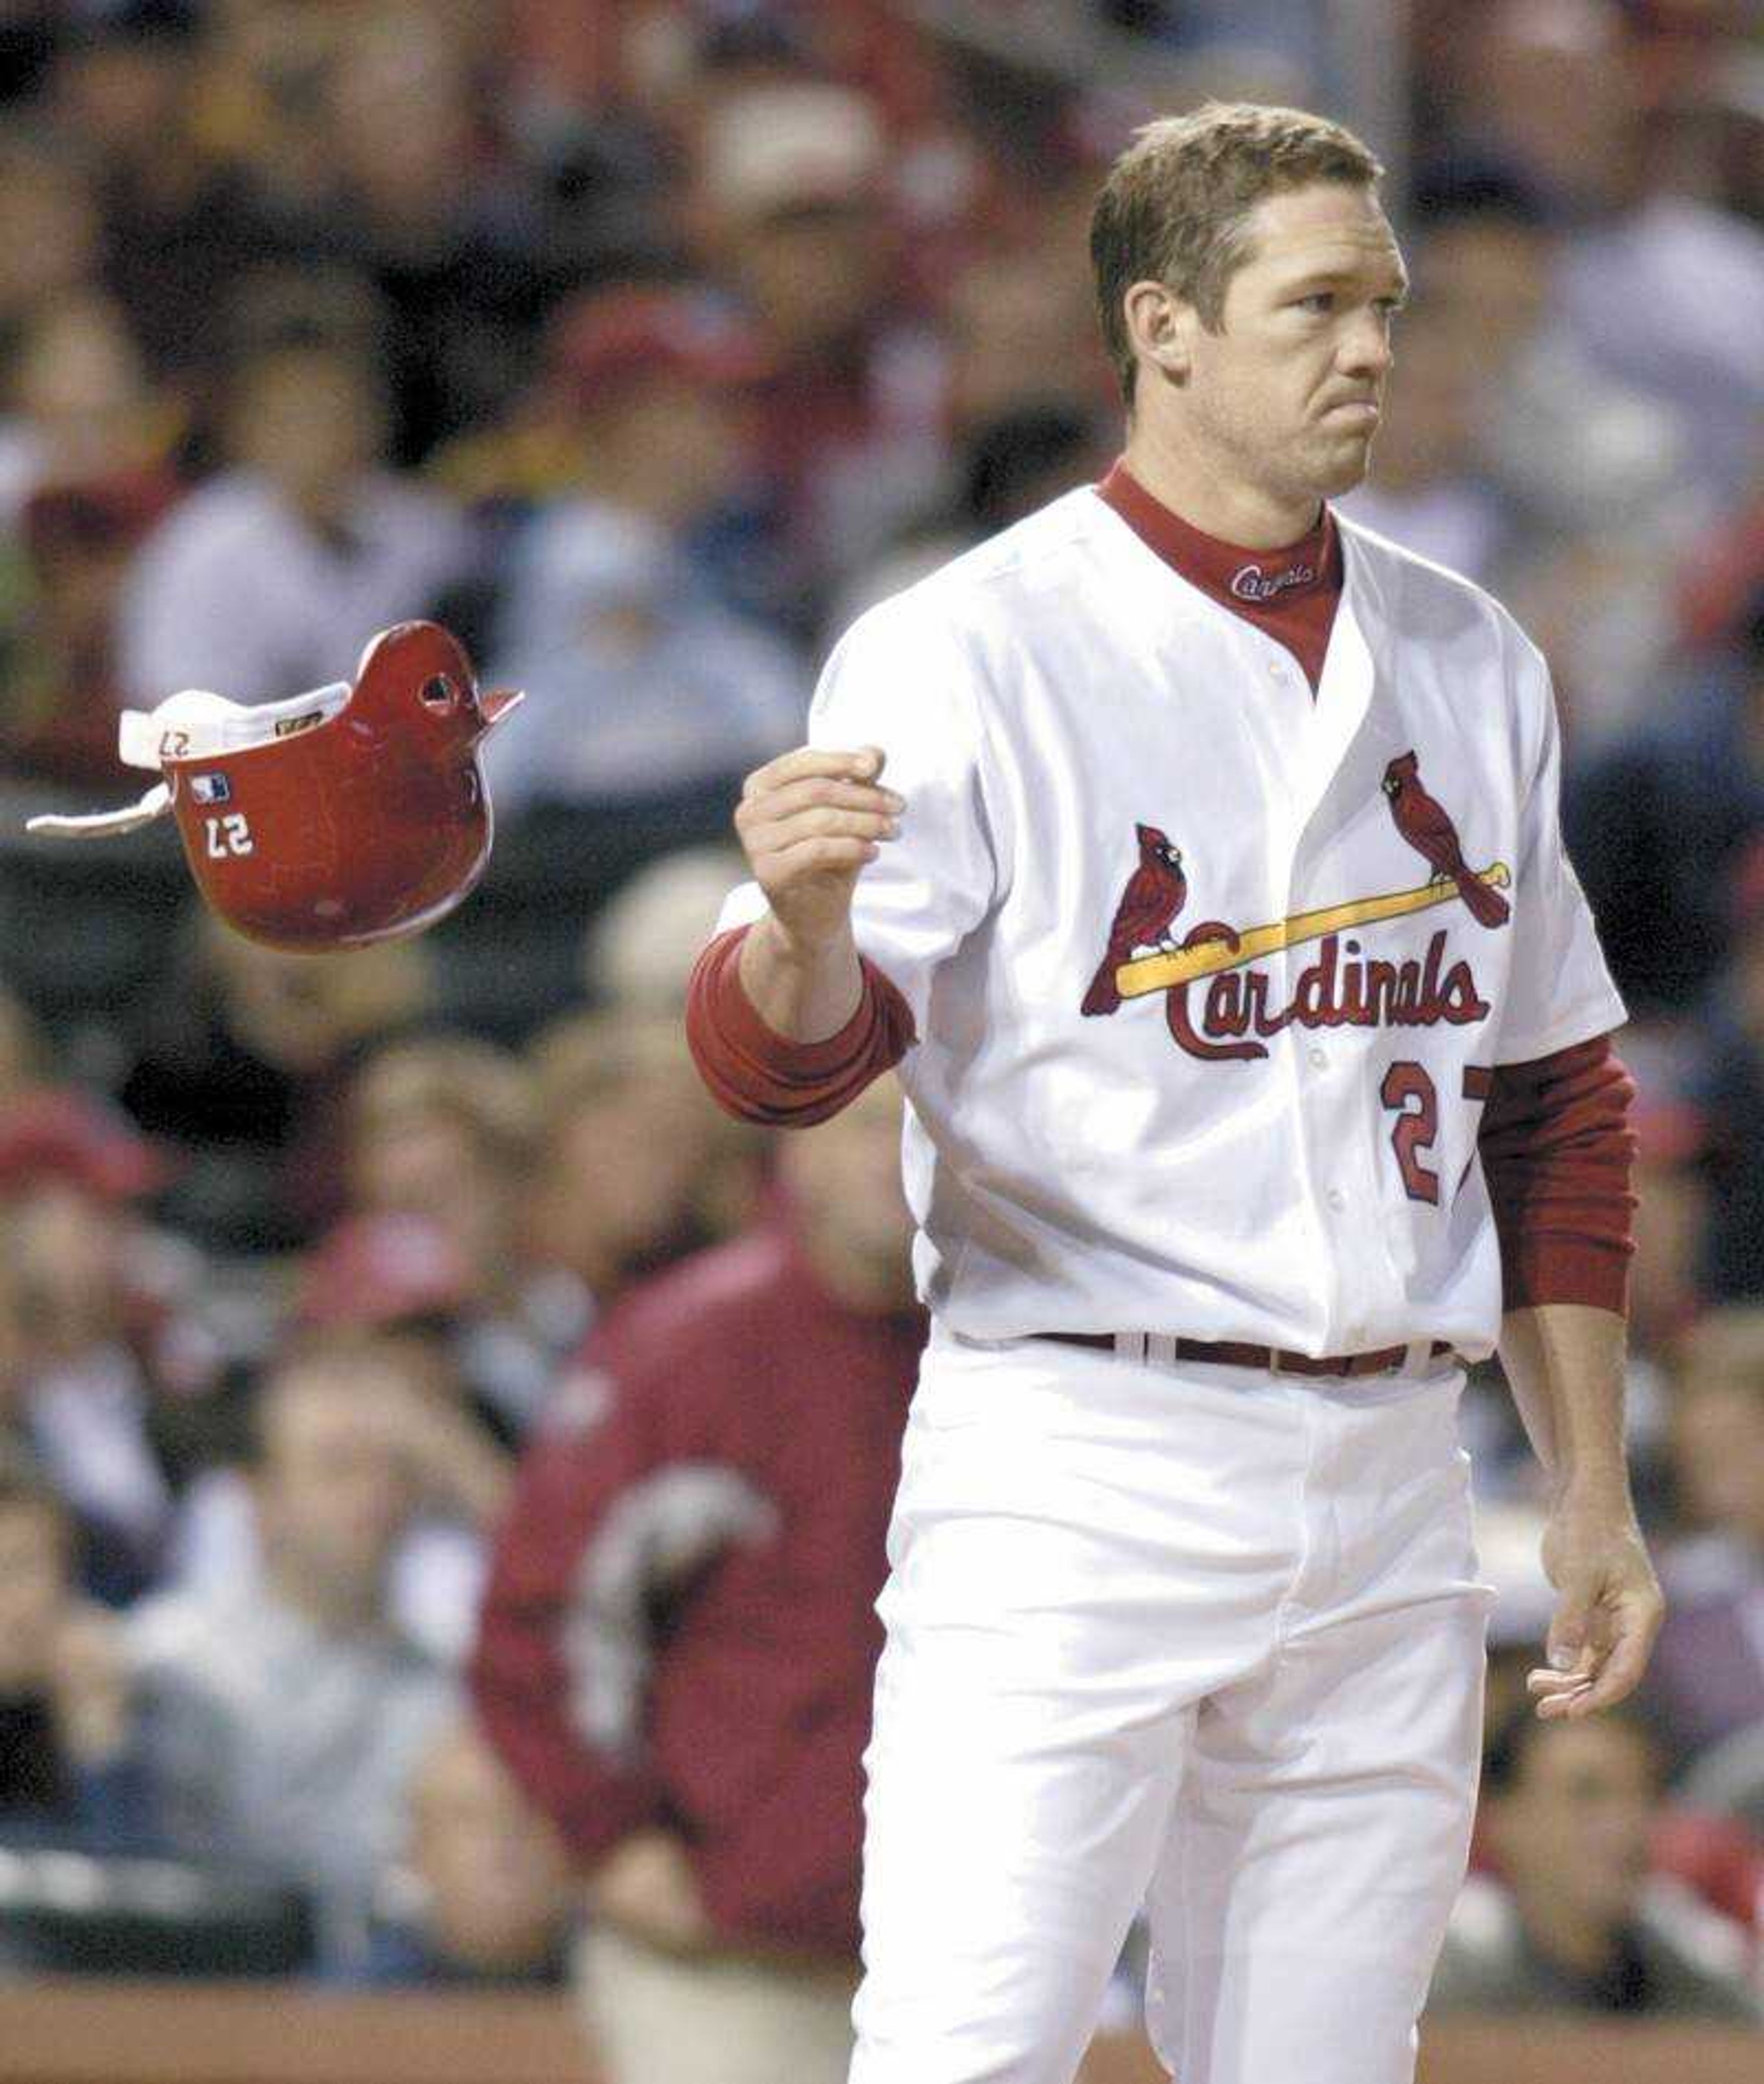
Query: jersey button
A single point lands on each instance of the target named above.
(1276, 671)
(1319, 1060)
(1336, 1199)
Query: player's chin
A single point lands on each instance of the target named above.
(1341, 463)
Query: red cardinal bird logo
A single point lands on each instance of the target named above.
(1425, 825)
(1156, 891)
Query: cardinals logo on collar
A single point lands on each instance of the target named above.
(352, 813)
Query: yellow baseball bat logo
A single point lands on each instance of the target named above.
(1147, 973)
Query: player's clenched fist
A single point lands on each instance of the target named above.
(808, 821)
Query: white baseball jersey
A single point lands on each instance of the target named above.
(1268, 1134)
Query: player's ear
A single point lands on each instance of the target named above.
(1160, 324)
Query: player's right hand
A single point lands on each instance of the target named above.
(808, 821)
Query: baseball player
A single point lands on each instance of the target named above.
(1195, 855)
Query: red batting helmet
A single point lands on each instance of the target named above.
(349, 814)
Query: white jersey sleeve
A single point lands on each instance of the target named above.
(900, 679)
(1559, 991)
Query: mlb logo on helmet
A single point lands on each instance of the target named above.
(393, 759)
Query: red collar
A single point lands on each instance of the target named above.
(1258, 581)
(1290, 594)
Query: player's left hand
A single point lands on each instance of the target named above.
(1609, 1608)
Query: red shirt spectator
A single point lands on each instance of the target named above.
(678, 1629)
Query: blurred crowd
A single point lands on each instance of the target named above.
(443, 1463)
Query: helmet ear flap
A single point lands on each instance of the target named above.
(439, 694)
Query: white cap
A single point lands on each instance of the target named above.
(770, 147)
(196, 725)
(193, 724)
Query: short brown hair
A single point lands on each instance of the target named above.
(1175, 203)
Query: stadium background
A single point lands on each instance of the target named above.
(646, 343)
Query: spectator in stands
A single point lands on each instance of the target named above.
(128, 85)
(1662, 287)
(1002, 469)
(1575, 1924)
(793, 210)
(246, 1060)
(1553, 90)
(1666, 1287)
(1009, 467)
(1729, 1089)
(442, 1125)
(69, 1773)
(107, 1369)
(635, 1170)
(1667, 1225)
(283, 1713)
(1426, 490)
(446, 1129)
(81, 409)
(652, 688)
(1021, 321)
(643, 941)
(1660, 823)
(1598, 604)
(86, 470)
(1707, 1680)
(1726, 1779)
(421, 202)
(326, 545)
(394, 1282)
(62, 576)
(264, 71)
(1566, 445)
(697, 1526)
(484, 1891)
(50, 227)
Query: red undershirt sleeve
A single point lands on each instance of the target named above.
(761, 1076)
(1557, 1152)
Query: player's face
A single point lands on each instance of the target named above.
(1289, 391)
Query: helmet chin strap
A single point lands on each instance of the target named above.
(105, 824)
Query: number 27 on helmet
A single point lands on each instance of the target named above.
(352, 813)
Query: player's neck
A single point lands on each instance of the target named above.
(1195, 489)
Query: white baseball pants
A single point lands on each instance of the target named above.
(1200, 1639)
